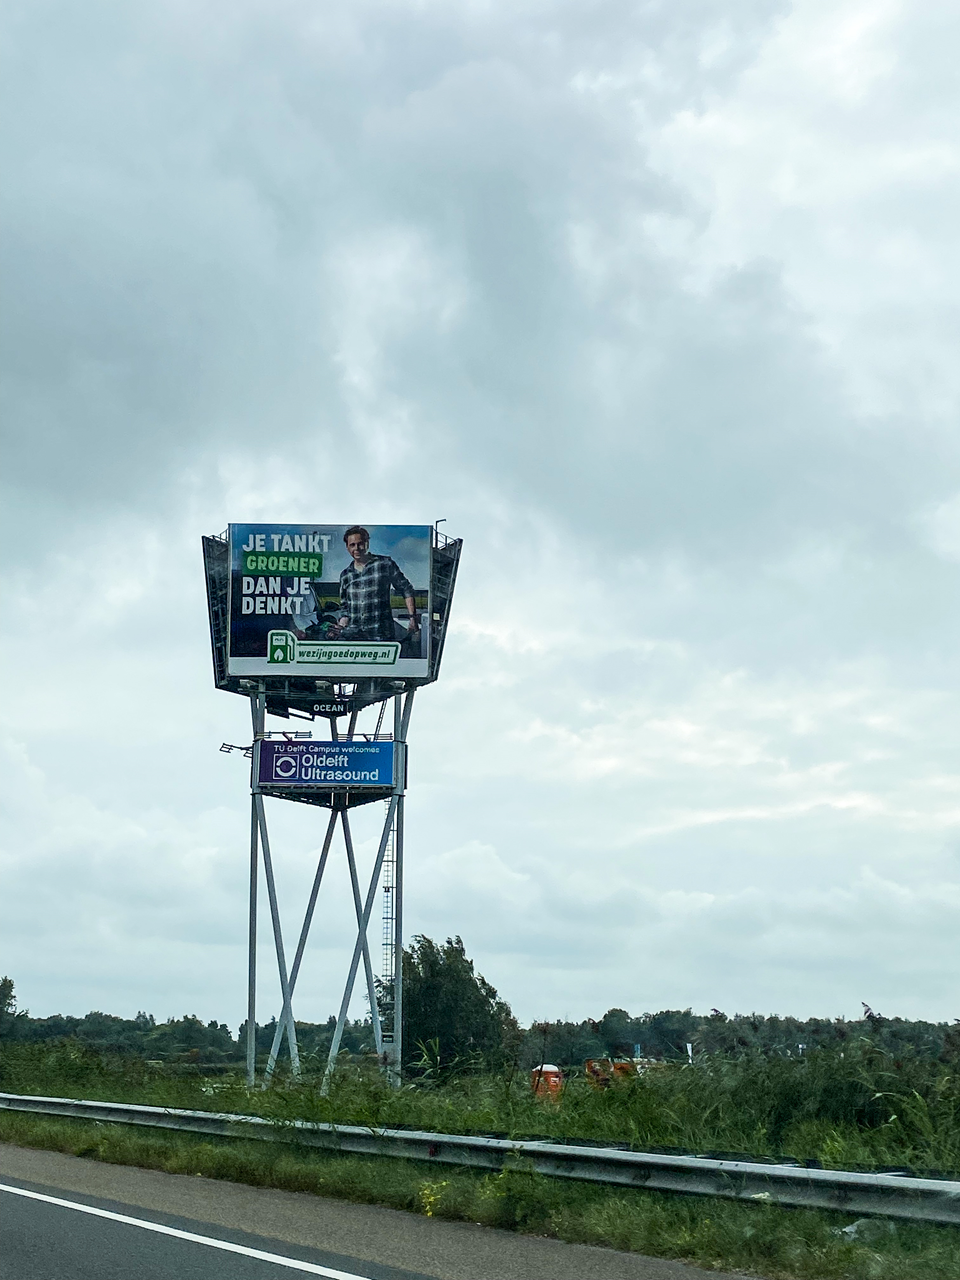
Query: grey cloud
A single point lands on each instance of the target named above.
(396, 263)
(175, 210)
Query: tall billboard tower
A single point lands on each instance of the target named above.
(337, 624)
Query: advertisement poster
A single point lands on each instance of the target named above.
(335, 602)
(325, 764)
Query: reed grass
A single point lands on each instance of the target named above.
(857, 1108)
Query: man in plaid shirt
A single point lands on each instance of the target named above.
(365, 590)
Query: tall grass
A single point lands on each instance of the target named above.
(855, 1108)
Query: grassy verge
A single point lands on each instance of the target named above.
(763, 1239)
(858, 1108)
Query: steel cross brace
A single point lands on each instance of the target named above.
(258, 826)
(286, 1015)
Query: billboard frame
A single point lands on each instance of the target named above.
(309, 698)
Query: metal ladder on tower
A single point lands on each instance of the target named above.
(388, 942)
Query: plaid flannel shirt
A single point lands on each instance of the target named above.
(365, 598)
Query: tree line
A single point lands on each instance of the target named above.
(456, 1022)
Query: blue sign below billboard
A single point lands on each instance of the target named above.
(325, 765)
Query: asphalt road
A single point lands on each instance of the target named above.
(46, 1237)
(65, 1218)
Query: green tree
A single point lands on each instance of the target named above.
(568, 1044)
(189, 1038)
(452, 1015)
(11, 1019)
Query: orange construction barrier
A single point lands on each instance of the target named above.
(601, 1072)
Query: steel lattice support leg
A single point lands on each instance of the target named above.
(395, 1068)
(305, 930)
(258, 712)
(252, 952)
(286, 1017)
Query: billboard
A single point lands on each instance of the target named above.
(336, 602)
(325, 764)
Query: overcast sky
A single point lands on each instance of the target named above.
(657, 305)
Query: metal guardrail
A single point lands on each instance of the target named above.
(892, 1195)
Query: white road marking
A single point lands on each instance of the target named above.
(277, 1259)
